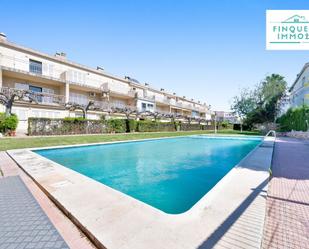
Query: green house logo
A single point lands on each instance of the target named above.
(296, 19)
(287, 29)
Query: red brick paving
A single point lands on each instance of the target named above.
(287, 214)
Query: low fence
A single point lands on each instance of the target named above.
(70, 126)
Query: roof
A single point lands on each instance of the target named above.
(129, 81)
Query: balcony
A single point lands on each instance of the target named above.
(140, 95)
(122, 90)
(39, 98)
(51, 71)
(163, 100)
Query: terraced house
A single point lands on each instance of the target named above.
(55, 81)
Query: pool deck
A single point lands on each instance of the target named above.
(231, 215)
(287, 220)
(23, 222)
(73, 237)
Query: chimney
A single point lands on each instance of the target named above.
(61, 55)
(162, 89)
(3, 37)
(100, 68)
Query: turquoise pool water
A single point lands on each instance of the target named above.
(169, 174)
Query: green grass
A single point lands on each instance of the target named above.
(31, 142)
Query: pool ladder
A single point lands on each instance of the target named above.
(270, 132)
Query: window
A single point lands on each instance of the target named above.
(35, 66)
(143, 106)
(36, 89)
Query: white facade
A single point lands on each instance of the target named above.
(55, 80)
(299, 92)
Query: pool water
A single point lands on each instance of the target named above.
(168, 174)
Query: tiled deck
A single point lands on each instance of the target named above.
(73, 237)
(23, 222)
(287, 218)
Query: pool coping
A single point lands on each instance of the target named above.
(59, 182)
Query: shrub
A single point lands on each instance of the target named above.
(74, 119)
(67, 126)
(8, 123)
(131, 125)
(117, 125)
(294, 119)
(225, 124)
(190, 127)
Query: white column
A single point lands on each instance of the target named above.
(67, 92)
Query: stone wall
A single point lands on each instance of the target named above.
(295, 134)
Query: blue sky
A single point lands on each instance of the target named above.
(206, 50)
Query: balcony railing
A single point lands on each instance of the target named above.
(105, 87)
(145, 97)
(49, 70)
(39, 98)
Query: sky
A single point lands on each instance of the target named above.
(206, 50)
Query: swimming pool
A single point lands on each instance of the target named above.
(169, 174)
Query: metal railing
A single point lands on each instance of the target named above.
(39, 98)
(270, 132)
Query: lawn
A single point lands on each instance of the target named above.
(27, 142)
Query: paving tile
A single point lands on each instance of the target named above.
(23, 224)
(287, 212)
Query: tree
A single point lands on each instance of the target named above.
(244, 103)
(8, 96)
(84, 108)
(261, 104)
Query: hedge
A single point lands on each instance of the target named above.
(151, 126)
(67, 126)
(294, 119)
(117, 125)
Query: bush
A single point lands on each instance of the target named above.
(225, 124)
(66, 126)
(117, 125)
(74, 119)
(294, 119)
(245, 127)
(190, 127)
(8, 123)
(131, 125)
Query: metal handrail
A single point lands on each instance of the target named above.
(269, 132)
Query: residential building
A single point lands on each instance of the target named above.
(299, 91)
(55, 81)
(229, 117)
